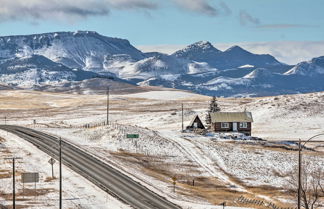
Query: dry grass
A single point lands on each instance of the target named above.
(50, 178)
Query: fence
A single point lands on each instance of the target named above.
(244, 200)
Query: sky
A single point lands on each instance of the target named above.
(170, 24)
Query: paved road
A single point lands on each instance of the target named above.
(98, 172)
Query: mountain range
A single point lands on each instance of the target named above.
(64, 60)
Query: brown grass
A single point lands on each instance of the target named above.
(50, 178)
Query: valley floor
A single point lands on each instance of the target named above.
(209, 170)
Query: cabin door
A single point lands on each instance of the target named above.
(235, 126)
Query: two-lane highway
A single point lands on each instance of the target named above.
(95, 170)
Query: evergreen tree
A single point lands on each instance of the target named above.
(213, 107)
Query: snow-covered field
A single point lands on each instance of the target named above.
(220, 169)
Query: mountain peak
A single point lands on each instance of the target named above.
(202, 45)
(236, 49)
(196, 50)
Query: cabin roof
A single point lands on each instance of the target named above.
(193, 120)
(231, 117)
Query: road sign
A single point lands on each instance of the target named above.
(51, 161)
(132, 136)
(29, 177)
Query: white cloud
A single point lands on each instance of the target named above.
(200, 6)
(247, 19)
(290, 52)
(64, 9)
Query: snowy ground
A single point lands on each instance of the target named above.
(223, 169)
(77, 191)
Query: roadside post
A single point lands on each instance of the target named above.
(223, 204)
(52, 161)
(174, 179)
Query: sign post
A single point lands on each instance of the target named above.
(174, 179)
(52, 161)
(30, 178)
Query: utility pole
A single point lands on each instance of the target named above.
(182, 117)
(300, 167)
(299, 174)
(5, 120)
(13, 180)
(60, 159)
(108, 105)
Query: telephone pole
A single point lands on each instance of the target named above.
(299, 174)
(182, 117)
(60, 159)
(108, 105)
(13, 180)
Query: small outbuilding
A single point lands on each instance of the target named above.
(232, 122)
(196, 123)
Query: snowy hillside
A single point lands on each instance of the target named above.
(27, 72)
(314, 67)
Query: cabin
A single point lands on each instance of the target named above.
(232, 122)
(196, 123)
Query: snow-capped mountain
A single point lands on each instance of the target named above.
(314, 67)
(81, 49)
(233, 57)
(68, 60)
(201, 51)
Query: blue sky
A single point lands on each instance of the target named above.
(154, 22)
(291, 30)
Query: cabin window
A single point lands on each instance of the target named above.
(195, 125)
(224, 125)
(243, 125)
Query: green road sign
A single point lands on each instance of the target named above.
(132, 136)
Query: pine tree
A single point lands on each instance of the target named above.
(213, 107)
